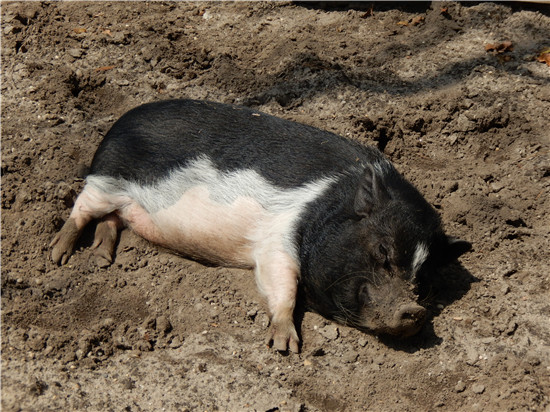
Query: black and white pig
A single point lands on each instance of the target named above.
(236, 187)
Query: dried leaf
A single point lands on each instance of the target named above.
(417, 20)
(79, 30)
(413, 22)
(544, 56)
(503, 47)
(104, 68)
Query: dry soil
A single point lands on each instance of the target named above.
(154, 331)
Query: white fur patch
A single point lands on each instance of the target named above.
(420, 255)
(213, 211)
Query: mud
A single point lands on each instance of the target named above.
(155, 331)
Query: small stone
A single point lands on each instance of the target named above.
(143, 346)
(463, 124)
(252, 314)
(262, 319)
(362, 342)
(76, 53)
(329, 332)
(79, 354)
(163, 325)
(350, 357)
(460, 387)
(175, 343)
(478, 388)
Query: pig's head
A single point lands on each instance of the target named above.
(369, 265)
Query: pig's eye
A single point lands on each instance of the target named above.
(364, 292)
(384, 256)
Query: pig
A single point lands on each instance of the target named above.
(304, 208)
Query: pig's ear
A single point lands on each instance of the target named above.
(455, 248)
(371, 193)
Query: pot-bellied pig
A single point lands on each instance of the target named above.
(303, 207)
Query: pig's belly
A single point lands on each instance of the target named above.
(200, 228)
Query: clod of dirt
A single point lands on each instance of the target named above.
(329, 332)
(478, 388)
(460, 387)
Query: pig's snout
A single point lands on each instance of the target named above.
(408, 319)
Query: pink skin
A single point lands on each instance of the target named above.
(241, 234)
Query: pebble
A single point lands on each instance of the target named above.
(163, 325)
(460, 387)
(76, 53)
(176, 342)
(80, 354)
(478, 388)
(262, 319)
(107, 322)
(329, 332)
(350, 357)
(252, 313)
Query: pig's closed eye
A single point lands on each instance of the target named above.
(384, 256)
(364, 292)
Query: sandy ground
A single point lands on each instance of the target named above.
(154, 331)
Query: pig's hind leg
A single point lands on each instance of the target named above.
(90, 204)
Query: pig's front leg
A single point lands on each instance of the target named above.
(277, 277)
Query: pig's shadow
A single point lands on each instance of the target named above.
(436, 291)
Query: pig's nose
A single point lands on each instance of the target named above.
(409, 318)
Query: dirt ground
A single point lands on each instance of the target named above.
(157, 332)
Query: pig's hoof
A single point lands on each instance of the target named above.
(63, 243)
(103, 252)
(105, 240)
(102, 258)
(282, 336)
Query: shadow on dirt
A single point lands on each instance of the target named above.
(313, 73)
(436, 291)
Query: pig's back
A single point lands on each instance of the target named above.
(150, 141)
